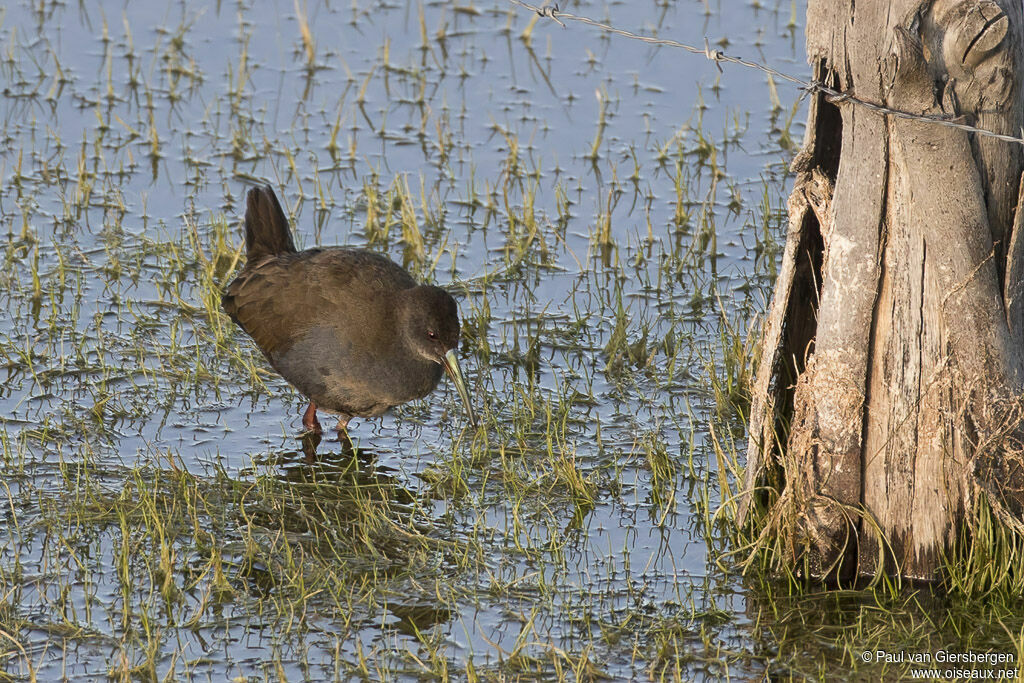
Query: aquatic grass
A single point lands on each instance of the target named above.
(308, 43)
(292, 536)
(161, 510)
(664, 468)
(739, 356)
(987, 561)
(602, 122)
(216, 263)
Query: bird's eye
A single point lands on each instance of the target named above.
(432, 335)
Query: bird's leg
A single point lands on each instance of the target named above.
(342, 427)
(309, 421)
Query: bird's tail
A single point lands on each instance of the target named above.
(266, 227)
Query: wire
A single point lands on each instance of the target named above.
(717, 56)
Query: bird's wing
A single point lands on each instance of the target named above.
(279, 299)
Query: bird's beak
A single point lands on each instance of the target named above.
(451, 366)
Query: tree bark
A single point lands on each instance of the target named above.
(887, 393)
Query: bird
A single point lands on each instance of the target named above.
(350, 329)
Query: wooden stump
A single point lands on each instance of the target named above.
(892, 350)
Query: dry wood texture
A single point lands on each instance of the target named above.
(892, 350)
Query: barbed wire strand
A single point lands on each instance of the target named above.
(718, 56)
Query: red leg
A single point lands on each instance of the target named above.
(309, 421)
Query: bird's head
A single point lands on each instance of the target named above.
(429, 325)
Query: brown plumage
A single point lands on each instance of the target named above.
(348, 328)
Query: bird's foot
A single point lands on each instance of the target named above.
(309, 421)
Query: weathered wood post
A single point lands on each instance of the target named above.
(892, 362)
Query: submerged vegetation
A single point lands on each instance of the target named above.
(161, 518)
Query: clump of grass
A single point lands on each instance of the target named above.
(732, 384)
(525, 233)
(987, 561)
(628, 343)
(217, 261)
(664, 468)
(412, 236)
(421, 235)
(602, 236)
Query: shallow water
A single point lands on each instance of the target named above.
(600, 286)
